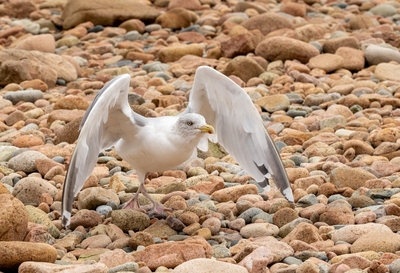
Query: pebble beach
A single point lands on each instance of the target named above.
(324, 76)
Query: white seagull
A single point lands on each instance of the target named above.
(163, 143)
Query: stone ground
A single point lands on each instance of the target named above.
(324, 75)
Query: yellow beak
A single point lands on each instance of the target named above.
(207, 129)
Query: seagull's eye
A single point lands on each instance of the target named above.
(189, 123)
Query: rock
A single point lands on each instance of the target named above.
(115, 258)
(29, 190)
(295, 9)
(257, 259)
(267, 22)
(96, 241)
(13, 219)
(191, 4)
(274, 103)
(327, 62)
(240, 44)
(18, 9)
(233, 193)
(26, 141)
(69, 133)
(377, 241)
(362, 22)
(384, 10)
(40, 217)
(42, 42)
(172, 54)
(85, 218)
(375, 54)
(304, 232)
(336, 213)
(140, 238)
(25, 95)
(354, 58)
(132, 25)
(106, 13)
(350, 233)
(177, 18)
(127, 220)
(259, 229)
(244, 68)
(70, 241)
(15, 253)
(333, 44)
(172, 254)
(387, 72)
(339, 177)
(18, 65)
(35, 84)
(91, 198)
(201, 265)
(72, 102)
(40, 267)
(284, 48)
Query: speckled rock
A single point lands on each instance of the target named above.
(15, 253)
(13, 219)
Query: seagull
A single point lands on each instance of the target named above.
(218, 110)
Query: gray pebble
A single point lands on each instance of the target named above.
(163, 75)
(305, 255)
(25, 161)
(24, 95)
(395, 266)
(382, 193)
(6, 152)
(130, 267)
(155, 66)
(132, 36)
(58, 159)
(249, 214)
(263, 216)
(220, 251)
(115, 170)
(335, 197)
(308, 200)
(103, 209)
(29, 127)
(292, 260)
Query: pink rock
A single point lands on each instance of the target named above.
(42, 42)
(172, 254)
(13, 219)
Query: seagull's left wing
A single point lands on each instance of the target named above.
(108, 119)
(238, 126)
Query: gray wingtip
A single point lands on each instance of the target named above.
(66, 219)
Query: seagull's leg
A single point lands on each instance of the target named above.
(133, 203)
(158, 208)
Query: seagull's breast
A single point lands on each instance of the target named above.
(155, 148)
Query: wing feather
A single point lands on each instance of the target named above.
(238, 126)
(106, 120)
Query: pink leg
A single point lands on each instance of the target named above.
(133, 203)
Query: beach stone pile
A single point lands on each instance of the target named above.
(324, 76)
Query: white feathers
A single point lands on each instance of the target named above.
(154, 144)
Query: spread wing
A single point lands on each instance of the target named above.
(107, 119)
(238, 125)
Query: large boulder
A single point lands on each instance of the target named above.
(17, 65)
(106, 12)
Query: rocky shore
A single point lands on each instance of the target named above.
(324, 75)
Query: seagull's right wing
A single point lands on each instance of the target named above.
(238, 125)
(108, 117)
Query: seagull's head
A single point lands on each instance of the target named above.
(193, 124)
